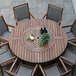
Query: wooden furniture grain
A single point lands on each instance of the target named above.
(3, 41)
(30, 50)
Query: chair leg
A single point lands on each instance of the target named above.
(73, 70)
(16, 23)
(2, 72)
(0, 41)
(72, 73)
(60, 23)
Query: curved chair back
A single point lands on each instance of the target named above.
(52, 71)
(54, 13)
(3, 26)
(73, 29)
(69, 56)
(24, 71)
(21, 12)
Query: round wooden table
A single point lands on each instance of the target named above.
(31, 51)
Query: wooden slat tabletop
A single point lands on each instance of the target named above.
(30, 50)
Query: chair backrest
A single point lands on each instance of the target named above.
(3, 26)
(52, 71)
(73, 28)
(54, 13)
(21, 12)
(71, 47)
(24, 70)
(5, 56)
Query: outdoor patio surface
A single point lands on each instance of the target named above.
(38, 8)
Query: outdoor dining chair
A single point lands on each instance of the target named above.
(22, 12)
(6, 57)
(54, 13)
(54, 70)
(22, 70)
(71, 35)
(2, 43)
(69, 56)
(4, 30)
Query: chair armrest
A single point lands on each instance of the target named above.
(63, 64)
(3, 44)
(11, 73)
(59, 21)
(10, 25)
(8, 60)
(4, 51)
(66, 70)
(65, 73)
(16, 20)
(71, 43)
(72, 38)
(3, 39)
(44, 16)
(67, 60)
(32, 15)
(70, 25)
(13, 64)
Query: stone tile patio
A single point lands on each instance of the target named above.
(38, 8)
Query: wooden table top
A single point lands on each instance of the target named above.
(30, 51)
